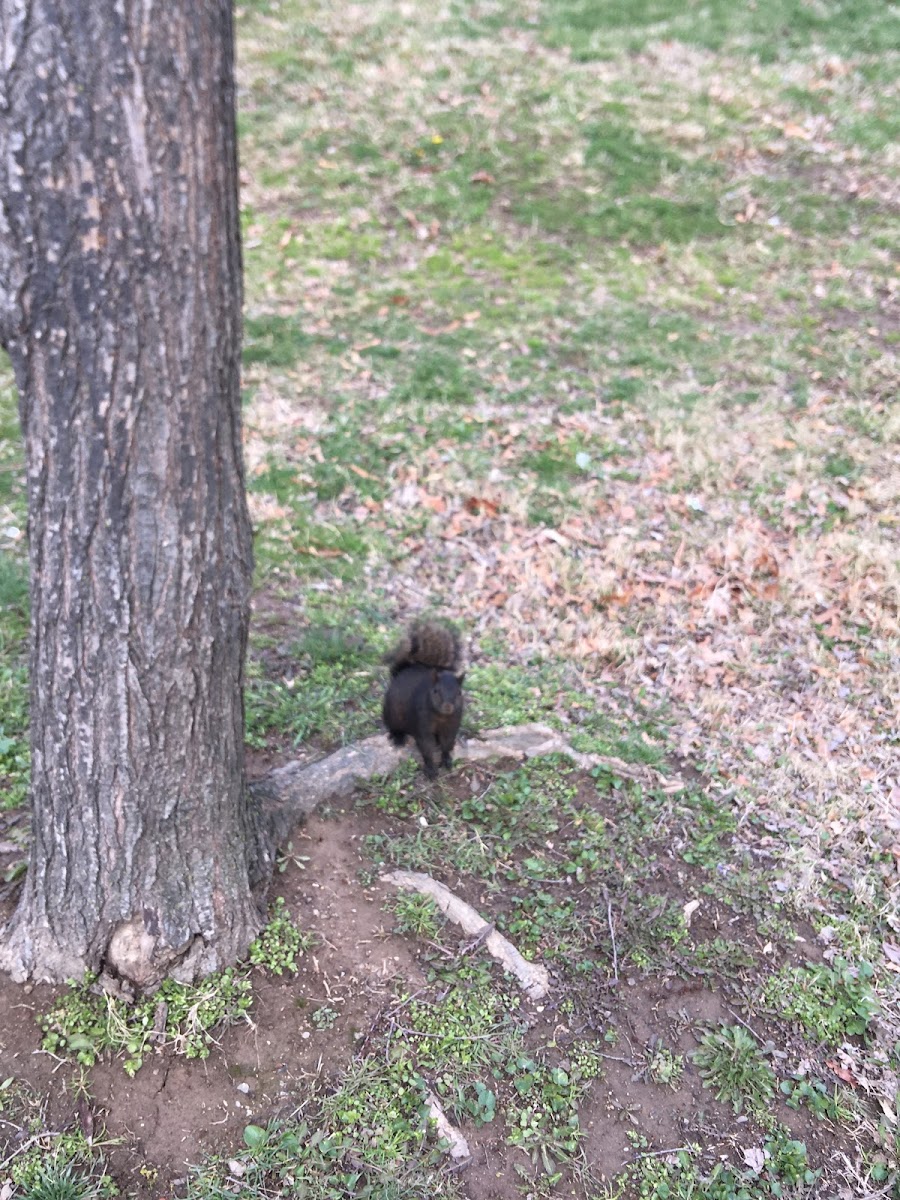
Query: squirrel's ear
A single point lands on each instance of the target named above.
(460, 678)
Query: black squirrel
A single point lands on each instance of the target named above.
(424, 699)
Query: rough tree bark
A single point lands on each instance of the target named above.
(120, 299)
(120, 308)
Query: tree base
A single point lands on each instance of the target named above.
(134, 958)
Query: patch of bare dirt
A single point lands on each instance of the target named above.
(176, 1111)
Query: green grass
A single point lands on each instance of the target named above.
(12, 484)
(565, 320)
(274, 340)
(437, 376)
(14, 598)
(730, 1062)
(14, 605)
(501, 695)
(539, 848)
(330, 690)
(85, 1024)
(369, 1131)
(299, 1158)
(50, 1163)
(770, 30)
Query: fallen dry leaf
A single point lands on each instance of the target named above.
(755, 1158)
(842, 1073)
(480, 504)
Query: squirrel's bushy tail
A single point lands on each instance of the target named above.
(427, 644)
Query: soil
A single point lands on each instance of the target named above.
(176, 1111)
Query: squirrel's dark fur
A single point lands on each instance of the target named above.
(424, 699)
(427, 644)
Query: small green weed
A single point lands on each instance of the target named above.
(724, 956)
(324, 1018)
(84, 1024)
(478, 1102)
(830, 1003)
(335, 1156)
(730, 1062)
(60, 1178)
(523, 804)
(785, 1171)
(417, 915)
(586, 1058)
(378, 1108)
(473, 1027)
(834, 1104)
(666, 1067)
(543, 924)
(287, 856)
(280, 944)
(544, 1122)
(45, 1164)
(396, 796)
(709, 825)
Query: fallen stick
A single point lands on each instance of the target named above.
(533, 977)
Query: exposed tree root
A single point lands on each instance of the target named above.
(292, 792)
(457, 1146)
(289, 794)
(532, 977)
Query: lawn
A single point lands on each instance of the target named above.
(574, 322)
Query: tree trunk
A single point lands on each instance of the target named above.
(120, 303)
